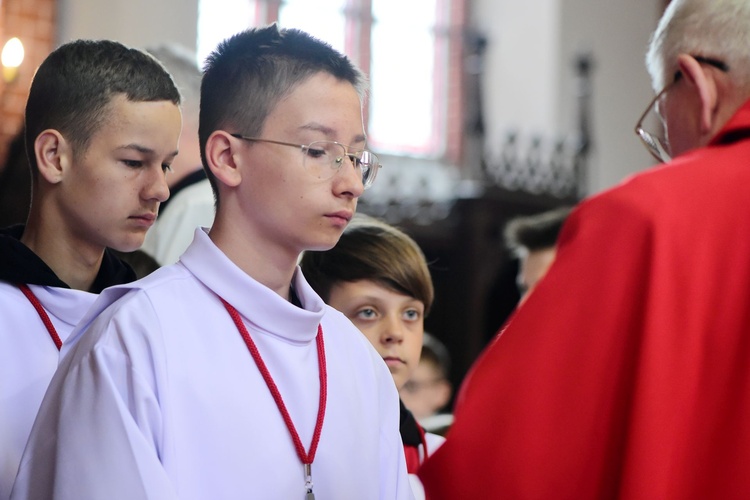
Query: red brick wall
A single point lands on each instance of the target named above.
(33, 22)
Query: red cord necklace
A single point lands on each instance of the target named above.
(42, 314)
(305, 457)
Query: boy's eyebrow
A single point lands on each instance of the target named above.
(145, 150)
(329, 132)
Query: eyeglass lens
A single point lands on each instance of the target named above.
(323, 159)
(652, 132)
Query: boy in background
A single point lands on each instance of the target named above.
(428, 391)
(533, 239)
(378, 277)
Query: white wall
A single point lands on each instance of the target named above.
(617, 33)
(521, 63)
(138, 23)
(530, 81)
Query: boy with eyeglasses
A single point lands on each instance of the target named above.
(102, 124)
(225, 375)
(625, 374)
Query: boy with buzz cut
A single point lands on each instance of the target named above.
(102, 127)
(225, 375)
(378, 277)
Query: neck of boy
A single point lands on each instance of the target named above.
(264, 263)
(75, 265)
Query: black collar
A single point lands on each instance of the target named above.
(409, 427)
(20, 265)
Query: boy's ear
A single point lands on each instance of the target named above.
(53, 155)
(222, 156)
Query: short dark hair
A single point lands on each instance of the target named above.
(371, 250)
(536, 232)
(250, 72)
(75, 84)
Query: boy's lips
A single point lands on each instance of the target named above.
(393, 361)
(342, 214)
(146, 219)
(341, 217)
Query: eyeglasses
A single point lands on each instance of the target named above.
(324, 158)
(653, 135)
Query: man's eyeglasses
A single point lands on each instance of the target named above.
(651, 132)
(324, 158)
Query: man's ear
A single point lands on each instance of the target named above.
(53, 155)
(705, 85)
(223, 159)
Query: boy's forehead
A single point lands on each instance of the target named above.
(139, 125)
(321, 103)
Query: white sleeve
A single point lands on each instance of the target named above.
(99, 430)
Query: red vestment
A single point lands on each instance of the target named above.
(626, 374)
